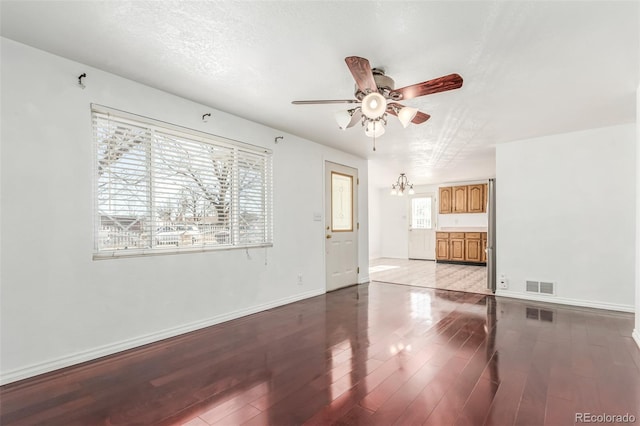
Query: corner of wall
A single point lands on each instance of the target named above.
(636, 333)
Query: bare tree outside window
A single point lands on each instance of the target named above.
(159, 188)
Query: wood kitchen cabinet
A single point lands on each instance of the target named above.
(461, 246)
(463, 199)
(475, 198)
(456, 244)
(485, 198)
(442, 245)
(459, 198)
(472, 247)
(445, 199)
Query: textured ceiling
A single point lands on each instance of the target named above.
(529, 68)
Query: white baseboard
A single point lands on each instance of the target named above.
(363, 279)
(636, 336)
(112, 348)
(566, 301)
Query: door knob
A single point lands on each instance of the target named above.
(328, 236)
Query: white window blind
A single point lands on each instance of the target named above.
(161, 188)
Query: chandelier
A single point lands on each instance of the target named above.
(401, 184)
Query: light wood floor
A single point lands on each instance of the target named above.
(427, 273)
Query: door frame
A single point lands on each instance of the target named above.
(433, 220)
(356, 212)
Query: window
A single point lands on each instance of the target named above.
(341, 202)
(162, 188)
(421, 213)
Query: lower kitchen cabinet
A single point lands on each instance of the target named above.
(473, 248)
(442, 247)
(456, 244)
(461, 246)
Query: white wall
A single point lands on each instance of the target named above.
(393, 217)
(636, 332)
(60, 307)
(375, 223)
(463, 220)
(566, 213)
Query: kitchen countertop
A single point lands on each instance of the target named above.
(463, 229)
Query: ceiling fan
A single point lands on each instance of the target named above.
(376, 96)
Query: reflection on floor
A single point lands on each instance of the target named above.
(427, 273)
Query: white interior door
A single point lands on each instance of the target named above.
(341, 226)
(422, 235)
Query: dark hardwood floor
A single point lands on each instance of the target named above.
(377, 354)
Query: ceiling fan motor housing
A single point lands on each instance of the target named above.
(384, 83)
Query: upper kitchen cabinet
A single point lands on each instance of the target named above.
(463, 199)
(475, 198)
(445, 199)
(460, 199)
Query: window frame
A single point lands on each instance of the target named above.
(241, 154)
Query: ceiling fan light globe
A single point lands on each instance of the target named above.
(374, 129)
(374, 105)
(406, 114)
(343, 118)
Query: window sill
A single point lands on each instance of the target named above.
(119, 254)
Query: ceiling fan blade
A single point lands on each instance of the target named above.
(420, 117)
(437, 85)
(362, 74)
(326, 101)
(355, 117)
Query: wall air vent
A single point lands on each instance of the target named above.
(541, 287)
(547, 287)
(533, 286)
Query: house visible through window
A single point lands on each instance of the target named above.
(162, 188)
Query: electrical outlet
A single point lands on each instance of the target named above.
(503, 283)
(299, 279)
